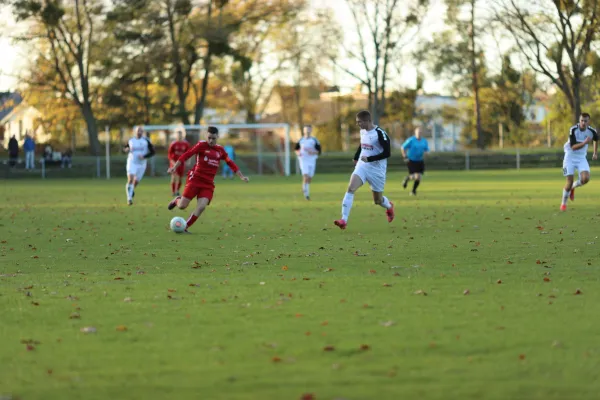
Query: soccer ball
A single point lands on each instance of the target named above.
(178, 224)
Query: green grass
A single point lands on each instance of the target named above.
(276, 283)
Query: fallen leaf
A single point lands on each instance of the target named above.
(276, 359)
(328, 348)
(365, 347)
(306, 279)
(121, 328)
(299, 315)
(387, 285)
(30, 347)
(324, 323)
(521, 356)
(74, 316)
(261, 283)
(35, 303)
(171, 290)
(578, 292)
(88, 329)
(499, 281)
(420, 292)
(372, 271)
(118, 278)
(396, 273)
(284, 268)
(509, 262)
(466, 292)
(546, 279)
(308, 396)
(387, 324)
(127, 299)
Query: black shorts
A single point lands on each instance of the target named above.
(416, 167)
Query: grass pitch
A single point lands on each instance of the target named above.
(480, 289)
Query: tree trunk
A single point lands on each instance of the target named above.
(299, 110)
(199, 109)
(576, 100)
(92, 128)
(475, 79)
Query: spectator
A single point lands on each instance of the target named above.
(48, 153)
(13, 151)
(66, 158)
(227, 172)
(29, 149)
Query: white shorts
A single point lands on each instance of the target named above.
(136, 169)
(372, 174)
(570, 164)
(308, 167)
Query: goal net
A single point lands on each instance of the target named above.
(260, 149)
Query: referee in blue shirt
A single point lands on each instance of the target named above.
(413, 150)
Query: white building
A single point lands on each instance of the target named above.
(17, 118)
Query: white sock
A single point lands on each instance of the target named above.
(577, 184)
(386, 203)
(129, 191)
(565, 196)
(347, 205)
(307, 189)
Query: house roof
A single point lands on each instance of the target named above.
(8, 101)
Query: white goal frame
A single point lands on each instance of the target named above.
(286, 127)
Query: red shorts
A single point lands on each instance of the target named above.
(199, 190)
(180, 171)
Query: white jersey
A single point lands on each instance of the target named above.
(375, 145)
(138, 147)
(309, 148)
(576, 135)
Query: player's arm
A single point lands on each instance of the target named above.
(595, 139)
(405, 146)
(384, 141)
(126, 148)
(318, 147)
(573, 140)
(185, 156)
(171, 153)
(357, 154)
(233, 166)
(151, 152)
(297, 148)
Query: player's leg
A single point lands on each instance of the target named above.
(584, 173)
(191, 191)
(410, 167)
(310, 172)
(139, 175)
(129, 187)
(173, 183)
(419, 169)
(356, 181)
(568, 172)
(205, 195)
(377, 182)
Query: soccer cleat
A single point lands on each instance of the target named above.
(405, 182)
(307, 197)
(173, 203)
(130, 202)
(412, 194)
(341, 223)
(563, 207)
(390, 213)
(572, 194)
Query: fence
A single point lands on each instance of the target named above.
(97, 167)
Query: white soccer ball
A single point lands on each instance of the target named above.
(178, 224)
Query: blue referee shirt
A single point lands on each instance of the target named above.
(415, 148)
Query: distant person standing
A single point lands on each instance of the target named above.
(413, 151)
(176, 149)
(227, 171)
(13, 151)
(29, 149)
(308, 149)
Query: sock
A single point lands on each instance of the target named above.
(306, 188)
(172, 187)
(416, 185)
(347, 205)
(191, 220)
(178, 186)
(386, 203)
(577, 184)
(129, 191)
(565, 196)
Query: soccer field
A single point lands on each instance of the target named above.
(480, 289)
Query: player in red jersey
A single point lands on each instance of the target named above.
(176, 149)
(201, 179)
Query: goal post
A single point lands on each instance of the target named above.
(259, 147)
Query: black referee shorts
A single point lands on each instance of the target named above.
(416, 167)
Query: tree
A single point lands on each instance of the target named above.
(457, 57)
(383, 29)
(555, 37)
(68, 37)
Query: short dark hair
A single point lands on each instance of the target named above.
(585, 115)
(364, 115)
(213, 130)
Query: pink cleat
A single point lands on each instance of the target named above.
(563, 207)
(173, 203)
(341, 223)
(572, 194)
(390, 212)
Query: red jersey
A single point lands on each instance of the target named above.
(177, 148)
(208, 159)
